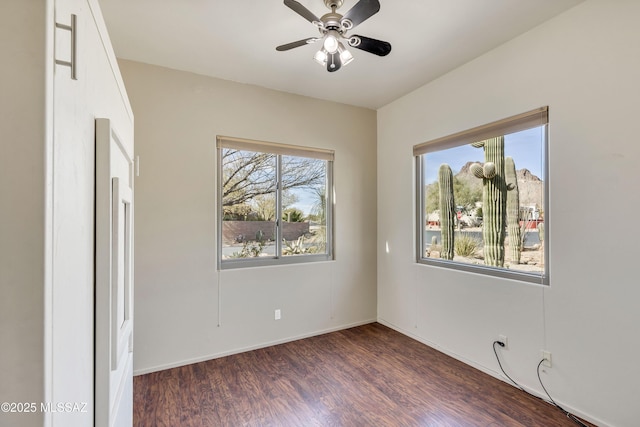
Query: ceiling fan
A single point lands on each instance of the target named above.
(333, 29)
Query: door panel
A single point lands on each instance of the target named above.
(72, 228)
(114, 276)
(121, 322)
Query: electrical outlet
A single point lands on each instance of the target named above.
(503, 339)
(278, 314)
(546, 355)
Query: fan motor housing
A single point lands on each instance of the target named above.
(331, 20)
(333, 3)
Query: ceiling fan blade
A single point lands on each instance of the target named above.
(362, 11)
(301, 10)
(333, 62)
(377, 47)
(298, 43)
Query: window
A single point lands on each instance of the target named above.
(275, 203)
(482, 199)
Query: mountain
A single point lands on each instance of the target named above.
(529, 185)
(530, 188)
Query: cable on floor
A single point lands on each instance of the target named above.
(553, 402)
(501, 344)
(550, 401)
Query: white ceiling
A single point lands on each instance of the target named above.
(236, 40)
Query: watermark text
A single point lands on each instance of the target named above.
(50, 407)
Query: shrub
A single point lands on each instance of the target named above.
(249, 250)
(466, 245)
(293, 215)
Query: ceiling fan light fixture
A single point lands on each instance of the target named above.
(333, 28)
(321, 57)
(345, 56)
(331, 42)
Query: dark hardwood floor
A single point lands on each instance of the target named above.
(365, 376)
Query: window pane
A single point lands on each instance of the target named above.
(275, 203)
(482, 204)
(248, 204)
(304, 206)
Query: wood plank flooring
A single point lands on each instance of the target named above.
(365, 376)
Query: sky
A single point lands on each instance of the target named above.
(306, 200)
(525, 147)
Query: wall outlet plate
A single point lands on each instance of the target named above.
(503, 339)
(278, 314)
(546, 355)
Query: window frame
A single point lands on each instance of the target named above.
(278, 150)
(531, 119)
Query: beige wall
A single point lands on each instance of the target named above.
(22, 206)
(185, 309)
(584, 65)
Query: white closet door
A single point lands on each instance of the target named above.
(114, 277)
(72, 224)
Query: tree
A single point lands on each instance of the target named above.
(238, 212)
(432, 198)
(264, 205)
(293, 215)
(248, 174)
(465, 194)
(319, 208)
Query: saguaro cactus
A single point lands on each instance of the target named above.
(447, 210)
(494, 195)
(513, 210)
